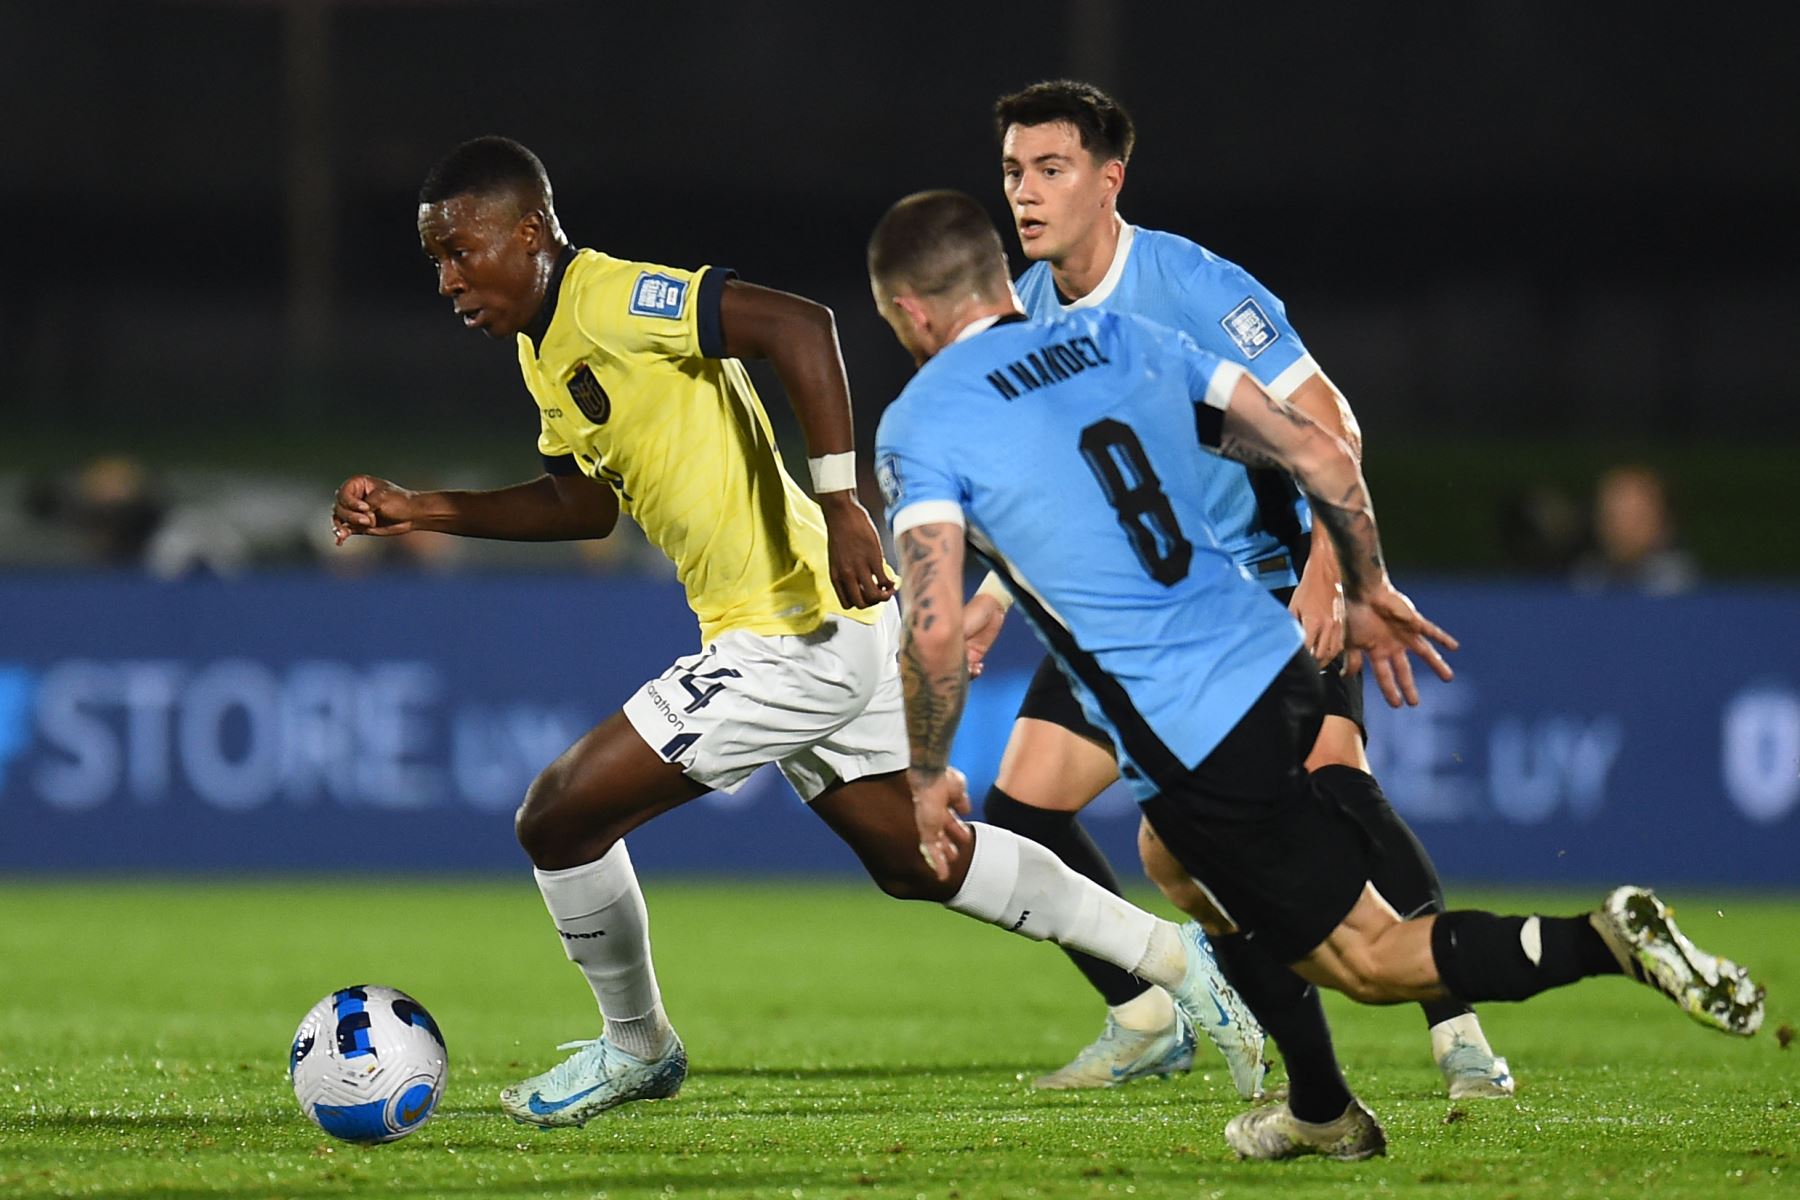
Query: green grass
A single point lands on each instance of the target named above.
(843, 1045)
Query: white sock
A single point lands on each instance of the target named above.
(1020, 886)
(599, 913)
(1464, 1028)
(1151, 1012)
(1165, 957)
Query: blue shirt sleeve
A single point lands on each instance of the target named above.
(912, 465)
(1240, 320)
(1210, 381)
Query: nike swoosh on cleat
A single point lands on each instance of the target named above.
(1224, 1017)
(544, 1108)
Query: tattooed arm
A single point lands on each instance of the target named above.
(935, 676)
(1257, 429)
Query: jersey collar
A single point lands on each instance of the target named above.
(983, 324)
(540, 324)
(1109, 283)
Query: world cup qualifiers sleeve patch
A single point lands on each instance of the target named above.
(887, 475)
(658, 295)
(1249, 327)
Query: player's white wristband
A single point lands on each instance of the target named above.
(994, 590)
(833, 472)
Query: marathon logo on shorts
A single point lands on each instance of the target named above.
(658, 295)
(1249, 327)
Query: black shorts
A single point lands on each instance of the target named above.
(1050, 698)
(1284, 861)
(1343, 693)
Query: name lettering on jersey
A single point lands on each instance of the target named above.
(1051, 364)
(658, 295)
(1250, 328)
(589, 396)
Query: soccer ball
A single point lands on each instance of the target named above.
(368, 1064)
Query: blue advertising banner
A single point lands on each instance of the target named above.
(304, 722)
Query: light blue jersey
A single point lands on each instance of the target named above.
(1258, 515)
(1071, 451)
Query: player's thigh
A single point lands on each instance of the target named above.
(868, 736)
(1056, 758)
(1340, 744)
(1374, 957)
(854, 779)
(1177, 886)
(598, 790)
(1050, 766)
(1278, 858)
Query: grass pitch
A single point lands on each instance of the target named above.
(843, 1045)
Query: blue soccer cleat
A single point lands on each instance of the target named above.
(1120, 1055)
(598, 1076)
(1220, 1013)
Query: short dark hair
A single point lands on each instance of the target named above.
(936, 242)
(1104, 125)
(486, 166)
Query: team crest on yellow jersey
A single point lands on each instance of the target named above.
(589, 396)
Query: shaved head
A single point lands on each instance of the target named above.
(938, 244)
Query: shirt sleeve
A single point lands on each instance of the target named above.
(663, 311)
(917, 482)
(1241, 321)
(558, 458)
(1210, 381)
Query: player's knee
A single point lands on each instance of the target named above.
(541, 824)
(909, 877)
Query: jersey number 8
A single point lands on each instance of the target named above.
(1116, 457)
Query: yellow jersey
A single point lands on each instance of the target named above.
(625, 365)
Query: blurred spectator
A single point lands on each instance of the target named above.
(1541, 530)
(111, 506)
(1634, 538)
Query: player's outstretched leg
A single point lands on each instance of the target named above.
(1402, 871)
(1482, 956)
(1018, 885)
(1049, 773)
(570, 825)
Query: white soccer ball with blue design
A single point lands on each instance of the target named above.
(368, 1064)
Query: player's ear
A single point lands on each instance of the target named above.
(1114, 174)
(915, 310)
(534, 230)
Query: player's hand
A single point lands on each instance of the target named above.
(368, 505)
(858, 572)
(938, 798)
(982, 619)
(1318, 604)
(1384, 625)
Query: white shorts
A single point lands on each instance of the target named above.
(826, 706)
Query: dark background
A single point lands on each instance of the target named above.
(1529, 240)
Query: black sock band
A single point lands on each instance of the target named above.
(1481, 956)
(1290, 1012)
(1400, 868)
(1062, 835)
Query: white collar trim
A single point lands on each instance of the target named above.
(978, 325)
(1110, 282)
